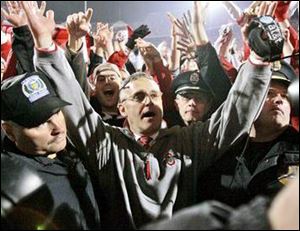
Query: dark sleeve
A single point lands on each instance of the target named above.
(23, 194)
(214, 215)
(23, 47)
(210, 215)
(252, 216)
(95, 60)
(213, 73)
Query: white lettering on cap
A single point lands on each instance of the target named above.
(34, 88)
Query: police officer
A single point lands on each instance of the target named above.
(268, 159)
(193, 99)
(46, 185)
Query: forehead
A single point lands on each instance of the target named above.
(105, 72)
(143, 84)
(278, 85)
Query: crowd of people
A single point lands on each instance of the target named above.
(101, 129)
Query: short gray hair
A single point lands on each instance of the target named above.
(132, 78)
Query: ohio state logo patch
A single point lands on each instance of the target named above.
(169, 159)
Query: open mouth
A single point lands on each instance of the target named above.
(148, 114)
(109, 92)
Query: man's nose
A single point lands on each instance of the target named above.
(147, 100)
(55, 123)
(278, 99)
(192, 101)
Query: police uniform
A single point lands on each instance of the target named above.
(64, 199)
(53, 193)
(210, 79)
(186, 82)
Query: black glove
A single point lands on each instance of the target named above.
(140, 32)
(265, 38)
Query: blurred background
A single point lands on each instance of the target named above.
(152, 13)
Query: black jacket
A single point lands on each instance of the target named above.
(251, 169)
(46, 193)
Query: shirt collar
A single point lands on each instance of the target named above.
(154, 136)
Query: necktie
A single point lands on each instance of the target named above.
(145, 142)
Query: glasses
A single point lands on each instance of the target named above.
(198, 97)
(140, 96)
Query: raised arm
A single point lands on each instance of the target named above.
(20, 59)
(84, 124)
(78, 26)
(233, 120)
(175, 53)
(208, 62)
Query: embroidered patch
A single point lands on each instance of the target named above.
(169, 159)
(34, 88)
(194, 78)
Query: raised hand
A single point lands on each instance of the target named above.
(174, 28)
(198, 24)
(256, 9)
(264, 35)
(184, 30)
(41, 27)
(147, 49)
(174, 60)
(187, 48)
(99, 39)
(15, 14)
(103, 38)
(78, 25)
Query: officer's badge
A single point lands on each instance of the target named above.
(34, 88)
(194, 78)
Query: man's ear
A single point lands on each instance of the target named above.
(8, 130)
(122, 110)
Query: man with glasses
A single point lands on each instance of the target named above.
(137, 181)
(193, 98)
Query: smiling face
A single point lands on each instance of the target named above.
(277, 108)
(107, 90)
(141, 104)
